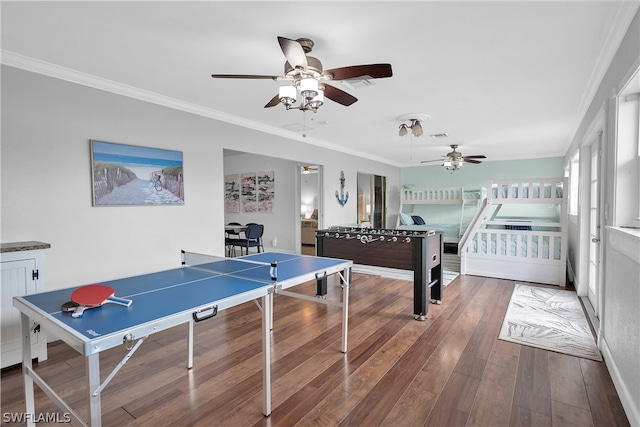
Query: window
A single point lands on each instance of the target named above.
(627, 203)
(574, 183)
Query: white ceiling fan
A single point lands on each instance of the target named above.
(454, 160)
(304, 74)
(309, 169)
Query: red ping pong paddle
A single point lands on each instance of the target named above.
(90, 296)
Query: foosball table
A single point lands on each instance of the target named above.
(418, 251)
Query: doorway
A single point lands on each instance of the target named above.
(310, 179)
(372, 201)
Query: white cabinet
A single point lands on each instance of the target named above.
(22, 274)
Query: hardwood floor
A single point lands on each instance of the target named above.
(448, 371)
(308, 250)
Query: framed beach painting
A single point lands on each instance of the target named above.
(128, 175)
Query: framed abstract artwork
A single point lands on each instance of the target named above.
(232, 193)
(266, 191)
(248, 192)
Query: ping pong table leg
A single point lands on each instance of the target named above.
(267, 305)
(271, 313)
(27, 365)
(93, 379)
(190, 344)
(346, 277)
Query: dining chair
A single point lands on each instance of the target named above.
(253, 239)
(230, 237)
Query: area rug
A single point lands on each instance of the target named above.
(394, 273)
(551, 319)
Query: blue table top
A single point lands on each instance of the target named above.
(167, 293)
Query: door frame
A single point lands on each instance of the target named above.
(593, 137)
(298, 197)
(595, 256)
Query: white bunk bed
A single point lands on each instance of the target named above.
(531, 249)
(452, 231)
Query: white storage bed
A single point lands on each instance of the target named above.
(531, 249)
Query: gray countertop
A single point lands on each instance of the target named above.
(23, 246)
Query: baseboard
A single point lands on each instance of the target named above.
(591, 315)
(629, 403)
(570, 273)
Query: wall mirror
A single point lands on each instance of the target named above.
(372, 203)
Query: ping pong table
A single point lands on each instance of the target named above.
(194, 292)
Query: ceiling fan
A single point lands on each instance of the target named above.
(309, 169)
(454, 160)
(305, 74)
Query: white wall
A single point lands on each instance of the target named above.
(620, 317)
(476, 176)
(46, 180)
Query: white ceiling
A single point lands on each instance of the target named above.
(508, 79)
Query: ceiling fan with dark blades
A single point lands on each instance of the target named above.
(305, 74)
(455, 159)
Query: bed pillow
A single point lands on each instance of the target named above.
(417, 220)
(405, 219)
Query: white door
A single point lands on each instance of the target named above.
(594, 227)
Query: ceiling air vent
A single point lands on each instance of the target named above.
(439, 135)
(359, 83)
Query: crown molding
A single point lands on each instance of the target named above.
(34, 65)
(618, 28)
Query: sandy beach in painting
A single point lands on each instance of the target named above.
(140, 191)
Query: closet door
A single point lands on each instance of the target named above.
(17, 280)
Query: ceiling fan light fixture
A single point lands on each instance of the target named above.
(414, 123)
(455, 160)
(317, 101)
(453, 164)
(416, 128)
(287, 95)
(308, 88)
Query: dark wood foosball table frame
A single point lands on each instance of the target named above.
(420, 252)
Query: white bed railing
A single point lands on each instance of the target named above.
(517, 243)
(530, 190)
(531, 256)
(449, 196)
(445, 195)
